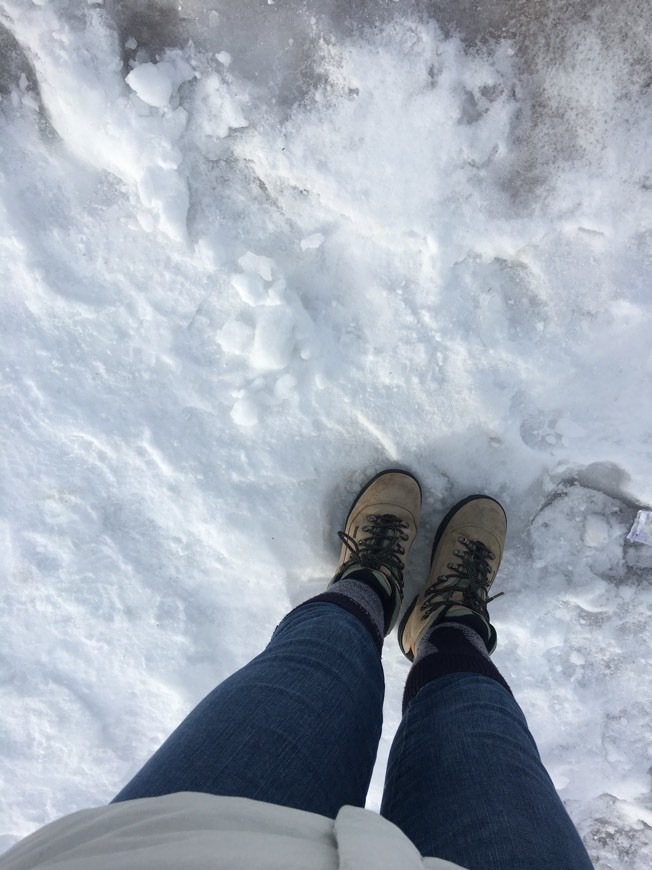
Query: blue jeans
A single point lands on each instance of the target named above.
(300, 724)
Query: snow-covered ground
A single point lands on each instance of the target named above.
(252, 254)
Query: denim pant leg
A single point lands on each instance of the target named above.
(297, 726)
(465, 782)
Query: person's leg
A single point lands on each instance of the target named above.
(300, 724)
(297, 726)
(464, 779)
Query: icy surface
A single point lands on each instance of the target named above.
(249, 259)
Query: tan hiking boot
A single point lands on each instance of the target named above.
(379, 532)
(465, 559)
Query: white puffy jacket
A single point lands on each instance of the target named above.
(189, 831)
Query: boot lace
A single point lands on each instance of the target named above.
(470, 576)
(382, 549)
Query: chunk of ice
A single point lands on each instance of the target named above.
(250, 287)
(262, 266)
(245, 412)
(235, 337)
(596, 531)
(641, 531)
(316, 240)
(153, 82)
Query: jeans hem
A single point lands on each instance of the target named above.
(351, 607)
(441, 664)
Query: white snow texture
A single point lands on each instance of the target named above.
(252, 254)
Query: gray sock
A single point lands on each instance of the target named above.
(428, 643)
(355, 589)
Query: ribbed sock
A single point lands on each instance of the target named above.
(449, 648)
(356, 593)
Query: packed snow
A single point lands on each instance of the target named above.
(251, 255)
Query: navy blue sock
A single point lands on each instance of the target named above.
(449, 648)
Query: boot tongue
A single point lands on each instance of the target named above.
(473, 570)
(384, 533)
